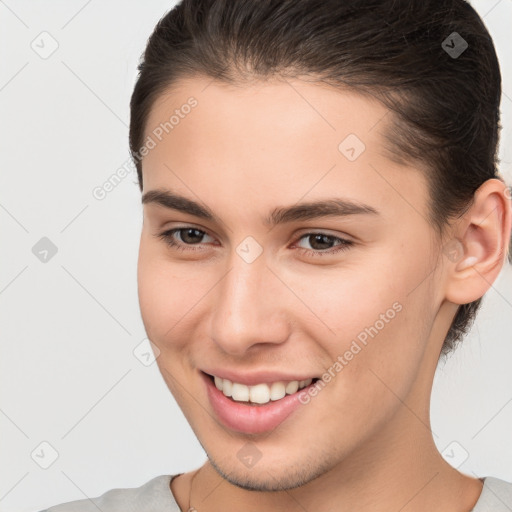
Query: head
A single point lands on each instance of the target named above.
(253, 111)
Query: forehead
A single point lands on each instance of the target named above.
(283, 138)
(275, 111)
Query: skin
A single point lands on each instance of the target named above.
(364, 442)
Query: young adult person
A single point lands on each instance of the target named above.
(322, 215)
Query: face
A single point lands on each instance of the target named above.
(255, 285)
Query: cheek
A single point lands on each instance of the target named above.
(354, 301)
(160, 291)
(377, 367)
(381, 320)
(173, 300)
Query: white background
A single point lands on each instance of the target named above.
(69, 326)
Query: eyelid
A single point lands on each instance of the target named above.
(323, 231)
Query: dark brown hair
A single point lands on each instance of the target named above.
(404, 53)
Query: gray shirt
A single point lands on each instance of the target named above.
(156, 496)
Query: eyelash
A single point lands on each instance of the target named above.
(167, 237)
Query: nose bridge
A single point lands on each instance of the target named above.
(247, 308)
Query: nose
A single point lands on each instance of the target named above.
(249, 308)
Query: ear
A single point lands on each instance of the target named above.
(480, 243)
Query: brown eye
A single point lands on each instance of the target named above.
(323, 243)
(188, 236)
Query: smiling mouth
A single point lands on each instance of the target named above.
(259, 394)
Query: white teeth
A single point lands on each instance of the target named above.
(292, 387)
(218, 383)
(277, 390)
(260, 393)
(227, 386)
(240, 392)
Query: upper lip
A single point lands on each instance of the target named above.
(251, 378)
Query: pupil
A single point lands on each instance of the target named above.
(320, 238)
(189, 231)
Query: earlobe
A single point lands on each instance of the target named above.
(483, 233)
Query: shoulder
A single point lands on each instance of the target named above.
(496, 496)
(153, 496)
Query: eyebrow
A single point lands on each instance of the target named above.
(334, 207)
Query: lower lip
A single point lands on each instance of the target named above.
(251, 419)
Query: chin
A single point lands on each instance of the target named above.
(266, 478)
